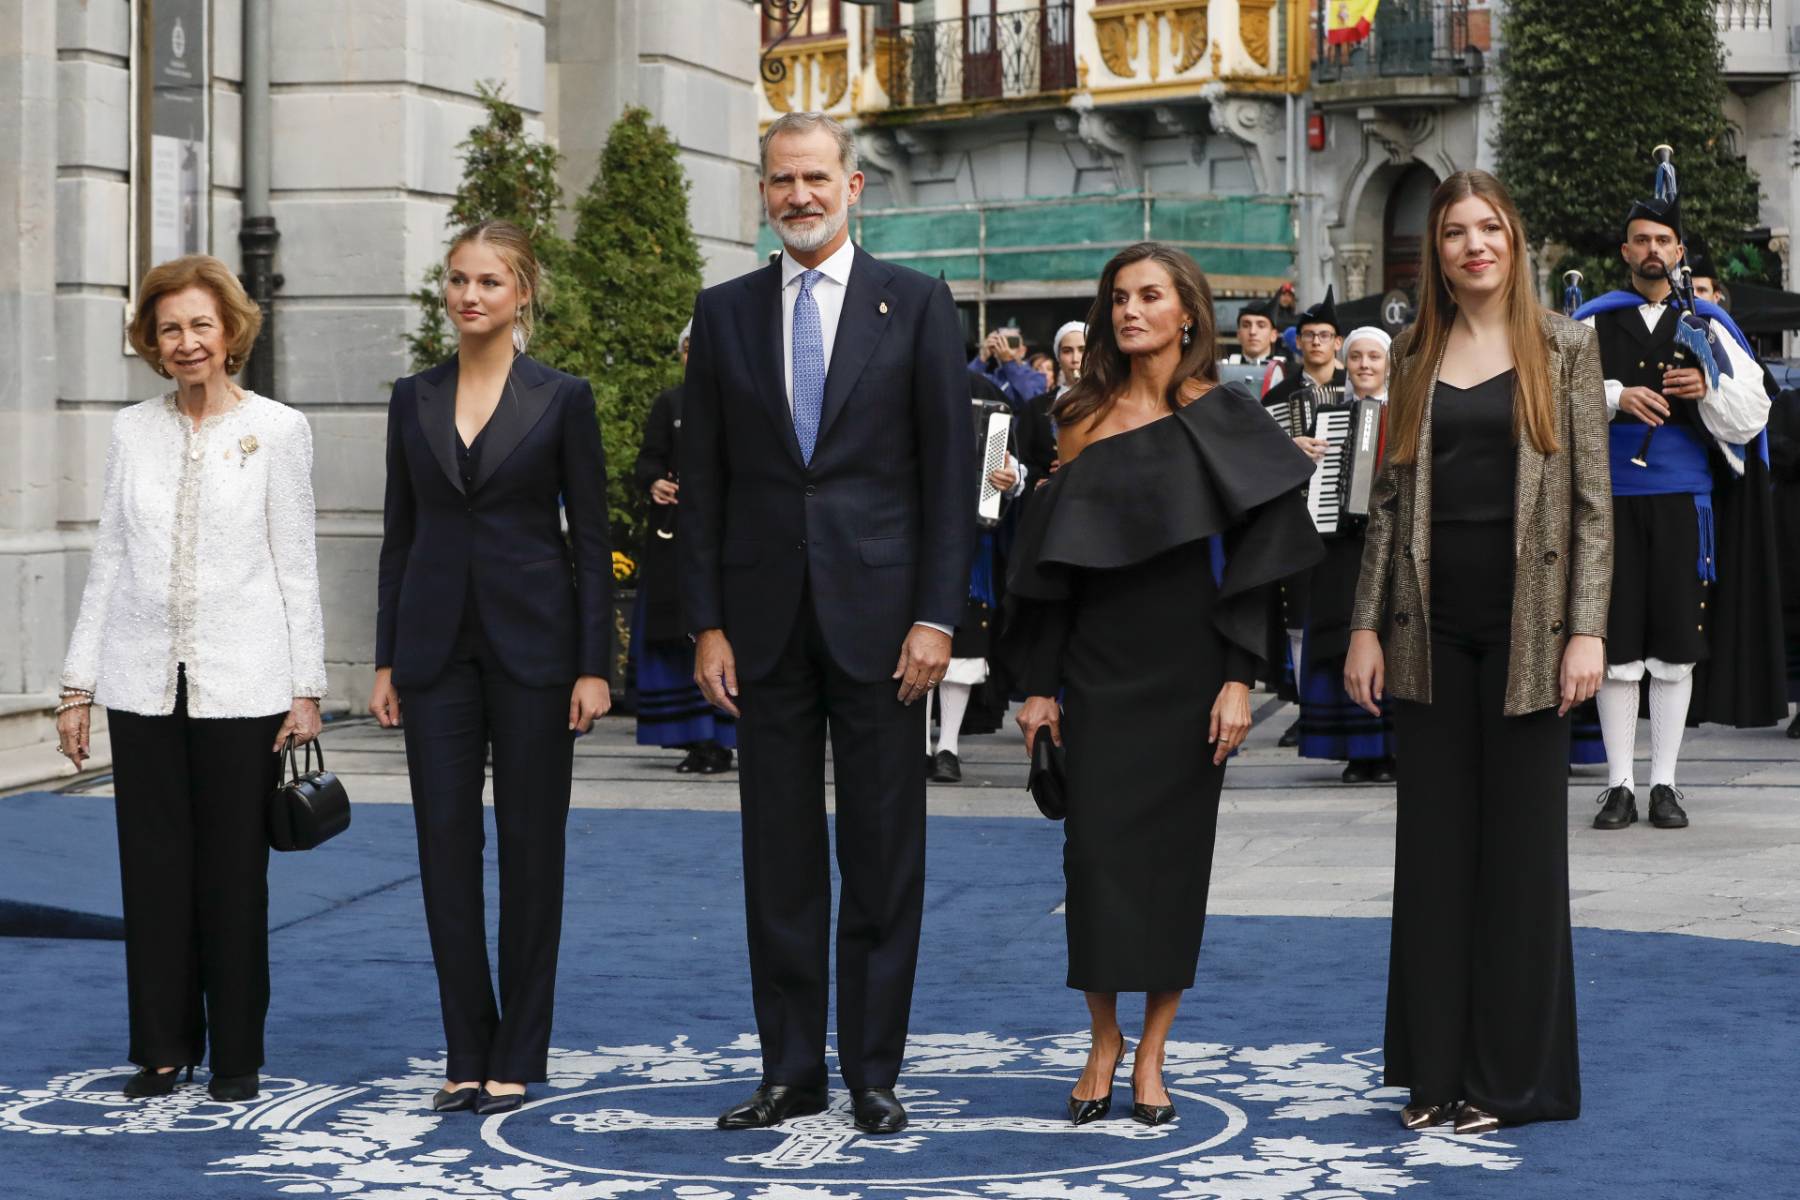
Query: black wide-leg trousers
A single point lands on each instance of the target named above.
(190, 795)
(1481, 975)
(880, 787)
(450, 725)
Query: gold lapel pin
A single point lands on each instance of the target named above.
(884, 308)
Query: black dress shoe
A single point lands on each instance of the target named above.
(1386, 770)
(1291, 738)
(771, 1104)
(877, 1110)
(488, 1103)
(232, 1089)
(150, 1082)
(692, 764)
(946, 768)
(1665, 808)
(717, 761)
(460, 1100)
(1083, 1111)
(1152, 1114)
(1793, 729)
(1359, 770)
(1618, 808)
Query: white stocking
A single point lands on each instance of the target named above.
(953, 702)
(1618, 704)
(1668, 720)
(1296, 639)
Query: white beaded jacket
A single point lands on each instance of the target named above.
(204, 559)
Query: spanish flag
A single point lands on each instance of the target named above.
(1348, 21)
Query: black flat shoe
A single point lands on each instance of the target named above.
(877, 1110)
(234, 1089)
(1618, 808)
(460, 1100)
(946, 768)
(1665, 808)
(1386, 770)
(771, 1104)
(1360, 770)
(150, 1082)
(1083, 1111)
(487, 1103)
(1291, 738)
(693, 763)
(718, 761)
(1793, 729)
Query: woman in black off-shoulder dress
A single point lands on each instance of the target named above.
(1136, 597)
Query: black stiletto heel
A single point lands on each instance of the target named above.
(1149, 1114)
(233, 1089)
(1083, 1111)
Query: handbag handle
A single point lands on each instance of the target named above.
(294, 770)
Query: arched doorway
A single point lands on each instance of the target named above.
(1403, 228)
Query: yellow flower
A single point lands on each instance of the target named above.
(623, 567)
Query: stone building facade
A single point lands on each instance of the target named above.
(369, 99)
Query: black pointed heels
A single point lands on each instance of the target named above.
(1083, 1111)
(149, 1082)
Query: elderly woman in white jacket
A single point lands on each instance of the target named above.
(201, 633)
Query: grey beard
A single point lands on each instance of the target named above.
(807, 240)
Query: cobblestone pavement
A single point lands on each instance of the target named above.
(1294, 841)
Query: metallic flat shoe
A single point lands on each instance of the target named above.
(1476, 1120)
(1424, 1116)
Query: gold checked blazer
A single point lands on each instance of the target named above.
(1562, 536)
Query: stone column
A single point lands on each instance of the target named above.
(31, 620)
(1354, 259)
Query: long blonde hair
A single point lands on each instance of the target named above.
(514, 248)
(1534, 411)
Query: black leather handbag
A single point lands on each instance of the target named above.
(310, 807)
(1046, 782)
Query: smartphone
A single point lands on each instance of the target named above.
(1013, 340)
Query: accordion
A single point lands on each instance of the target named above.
(1338, 495)
(993, 433)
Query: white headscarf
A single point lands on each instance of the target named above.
(1066, 329)
(1374, 333)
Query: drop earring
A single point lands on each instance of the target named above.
(1187, 338)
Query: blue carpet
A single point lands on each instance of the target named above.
(1689, 1047)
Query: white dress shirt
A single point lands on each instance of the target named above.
(1735, 411)
(204, 557)
(828, 294)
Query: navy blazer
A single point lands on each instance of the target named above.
(546, 612)
(881, 524)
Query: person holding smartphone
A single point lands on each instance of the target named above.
(1004, 361)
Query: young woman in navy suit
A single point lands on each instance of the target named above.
(493, 631)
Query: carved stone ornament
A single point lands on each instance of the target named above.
(1112, 138)
(1118, 37)
(834, 67)
(1257, 123)
(1397, 134)
(1355, 258)
(1254, 18)
(1189, 29)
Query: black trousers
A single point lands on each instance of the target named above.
(880, 779)
(1481, 977)
(194, 866)
(449, 727)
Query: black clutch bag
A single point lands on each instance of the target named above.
(1046, 782)
(310, 807)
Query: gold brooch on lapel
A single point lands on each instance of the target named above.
(884, 308)
(248, 445)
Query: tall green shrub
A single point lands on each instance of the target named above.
(1587, 90)
(640, 264)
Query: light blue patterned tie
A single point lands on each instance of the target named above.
(809, 366)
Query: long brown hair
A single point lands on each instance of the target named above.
(1534, 413)
(1105, 370)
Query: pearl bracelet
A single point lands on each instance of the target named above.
(68, 705)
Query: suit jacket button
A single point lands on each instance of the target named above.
(1549, 556)
(811, 490)
(1556, 627)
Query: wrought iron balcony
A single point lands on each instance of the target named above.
(1409, 37)
(983, 56)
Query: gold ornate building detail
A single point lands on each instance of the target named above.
(1118, 30)
(1255, 22)
(820, 70)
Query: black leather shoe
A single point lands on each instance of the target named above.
(488, 1103)
(1360, 770)
(717, 761)
(1665, 808)
(1083, 1111)
(150, 1082)
(946, 768)
(1386, 770)
(1618, 808)
(771, 1104)
(460, 1100)
(692, 764)
(232, 1089)
(1291, 738)
(1152, 1114)
(877, 1110)
(1793, 729)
